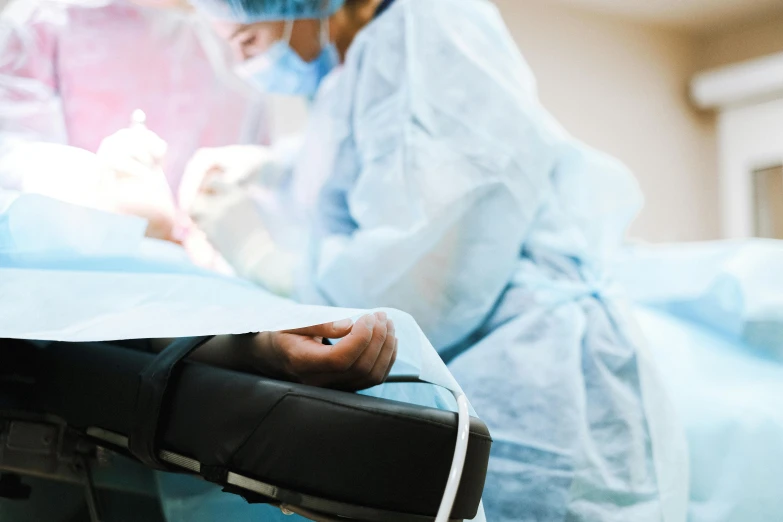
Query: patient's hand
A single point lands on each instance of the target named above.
(361, 359)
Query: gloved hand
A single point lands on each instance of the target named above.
(136, 183)
(236, 164)
(135, 151)
(230, 219)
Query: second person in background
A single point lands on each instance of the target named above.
(72, 73)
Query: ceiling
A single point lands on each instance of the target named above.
(696, 15)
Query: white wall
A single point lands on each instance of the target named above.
(744, 42)
(621, 87)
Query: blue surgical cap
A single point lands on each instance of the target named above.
(249, 11)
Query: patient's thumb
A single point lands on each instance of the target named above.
(333, 330)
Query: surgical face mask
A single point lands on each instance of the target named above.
(280, 70)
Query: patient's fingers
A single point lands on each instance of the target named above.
(361, 359)
(393, 352)
(377, 374)
(361, 373)
(333, 330)
(303, 356)
(382, 350)
(341, 357)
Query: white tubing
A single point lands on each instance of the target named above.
(458, 462)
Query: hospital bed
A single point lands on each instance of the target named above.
(712, 316)
(324, 454)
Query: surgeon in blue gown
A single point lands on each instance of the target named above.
(450, 193)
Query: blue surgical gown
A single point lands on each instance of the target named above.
(453, 195)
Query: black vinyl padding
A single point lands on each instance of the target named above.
(154, 383)
(334, 445)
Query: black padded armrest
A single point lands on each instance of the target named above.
(154, 381)
(298, 442)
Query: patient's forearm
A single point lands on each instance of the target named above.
(361, 358)
(233, 352)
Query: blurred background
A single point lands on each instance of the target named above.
(618, 75)
(688, 93)
(621, 75)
